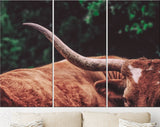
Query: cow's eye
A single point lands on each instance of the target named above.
(147, 99)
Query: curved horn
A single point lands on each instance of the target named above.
(115, 64)
(76, 59)
(42, 29)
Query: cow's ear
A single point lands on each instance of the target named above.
(100, 87)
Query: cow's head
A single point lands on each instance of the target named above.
(142, 81)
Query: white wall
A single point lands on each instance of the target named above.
(5, 113)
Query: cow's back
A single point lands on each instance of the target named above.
(27, 87)
(75, 87)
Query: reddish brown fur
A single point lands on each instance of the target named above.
(115, 92)
(27, 87)
(115, 87)
(75, 87)
(145, 93)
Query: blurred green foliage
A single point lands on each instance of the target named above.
(94, 9)
(22, 46)
(138, 13)
(82, 26)
(134, 28)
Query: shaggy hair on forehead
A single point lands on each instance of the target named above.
(147, 88)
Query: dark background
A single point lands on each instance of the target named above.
(22, 46)
(134, 29)
(82, 26)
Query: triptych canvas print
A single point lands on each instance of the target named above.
(80, 54)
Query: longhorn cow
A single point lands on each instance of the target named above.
(84, 83)
(138, 80)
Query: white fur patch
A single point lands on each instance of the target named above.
(136, 73)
